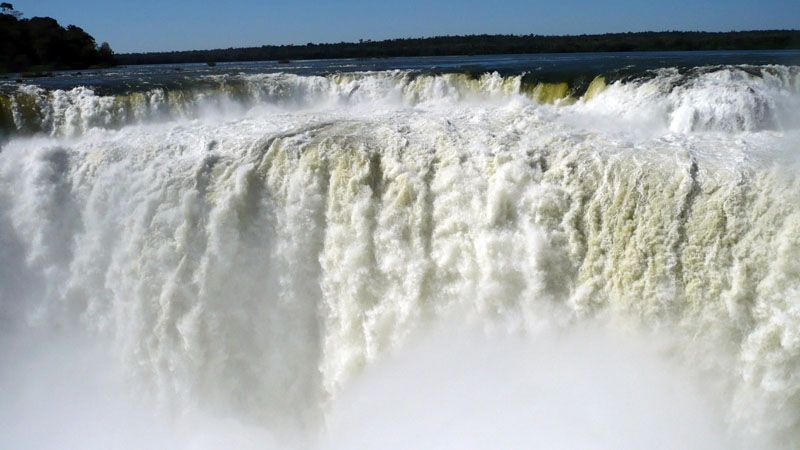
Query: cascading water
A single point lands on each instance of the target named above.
(254, 246)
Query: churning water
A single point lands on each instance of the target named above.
(403, 259)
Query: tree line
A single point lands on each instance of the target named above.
(40, 44)
(486, 44)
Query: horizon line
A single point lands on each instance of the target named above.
(373, 41)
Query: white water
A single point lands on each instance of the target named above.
(724, 99)
(248, 269)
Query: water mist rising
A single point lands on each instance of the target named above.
(253, 266)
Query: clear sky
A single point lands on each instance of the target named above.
(152, 25)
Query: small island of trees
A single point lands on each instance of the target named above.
(40, 44)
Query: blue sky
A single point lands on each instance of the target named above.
(151, 25)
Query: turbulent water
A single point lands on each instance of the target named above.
(258, 246)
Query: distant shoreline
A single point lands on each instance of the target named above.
(483, 45)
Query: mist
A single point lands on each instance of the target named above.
(179, 274)
(585, 387)
(580, 389)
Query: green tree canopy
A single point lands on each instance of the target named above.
(40, 43)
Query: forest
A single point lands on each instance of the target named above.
(40, 44)
(486, 44)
